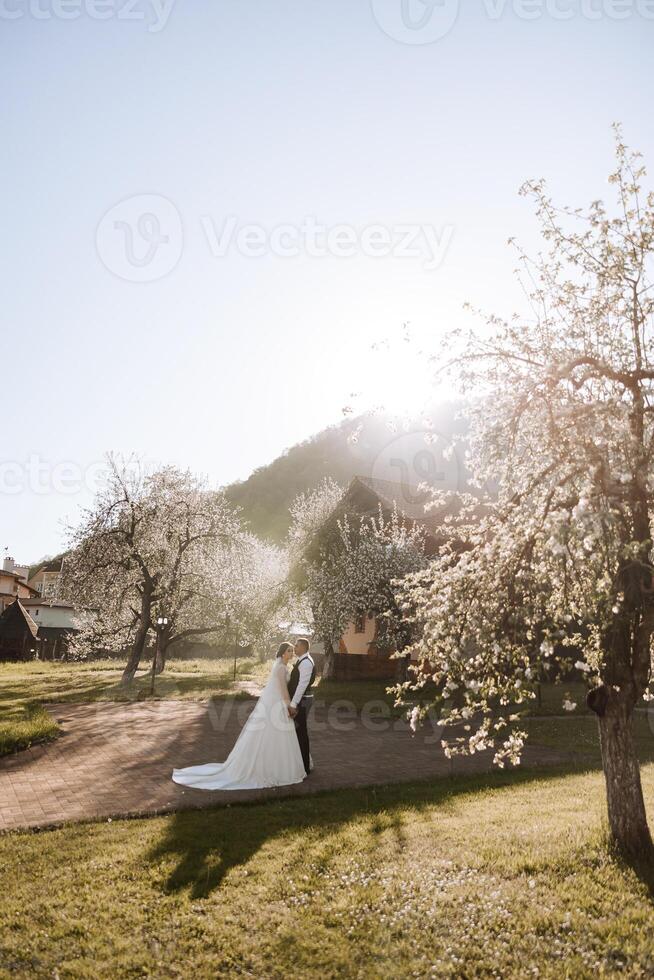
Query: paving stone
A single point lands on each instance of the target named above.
(114, 759)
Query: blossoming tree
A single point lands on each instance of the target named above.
(147, 548)
(558, 570)
(355, 573)
(309, 512)
(228, 592)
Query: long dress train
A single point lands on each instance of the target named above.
(266, 752)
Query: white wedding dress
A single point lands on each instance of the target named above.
(266, 753)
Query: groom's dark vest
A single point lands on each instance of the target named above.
(294, 679)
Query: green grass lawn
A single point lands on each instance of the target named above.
(30, 725)
(506, 875)
(578, 734)
(550, 701)
(24, 687)
(501, 876)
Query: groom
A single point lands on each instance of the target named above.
(299, 687)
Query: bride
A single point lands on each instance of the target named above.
(267, 752)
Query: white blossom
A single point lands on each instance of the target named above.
(550, 563)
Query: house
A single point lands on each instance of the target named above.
(46, 578)
(18, 633)
(14, 584)
(36, 627)
(358, 655)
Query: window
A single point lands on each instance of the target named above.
(360, 623)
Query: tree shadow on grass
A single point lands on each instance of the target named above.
(14, 696)
(206, 844)
(643, 868)
(588, 756)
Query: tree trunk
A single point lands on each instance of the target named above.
(160, 653)
(624, 793)
(138, 645)
(329, 667)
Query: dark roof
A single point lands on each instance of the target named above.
(51, 565)
(15, 614)
(365, 496)
(408, 499)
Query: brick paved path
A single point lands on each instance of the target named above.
(115, 759)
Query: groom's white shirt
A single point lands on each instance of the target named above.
(305, 668)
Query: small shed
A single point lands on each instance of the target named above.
(18, 633)
(35, 628)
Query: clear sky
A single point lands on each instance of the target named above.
(135, 145)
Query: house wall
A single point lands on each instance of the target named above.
(16, 648)
(61, 617)
(10, 589)
(53, 644)
(9, 565)
(46, 583)
(358, 644)
(349, 668)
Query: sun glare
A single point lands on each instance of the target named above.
(399, 380)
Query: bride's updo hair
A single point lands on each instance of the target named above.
(283, 648)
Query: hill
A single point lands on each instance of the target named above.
(407, 451)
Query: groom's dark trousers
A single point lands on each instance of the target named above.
(301, 730)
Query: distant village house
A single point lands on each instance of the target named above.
(14, 584)
(33, 623)
(46, 578)
(358, 656)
